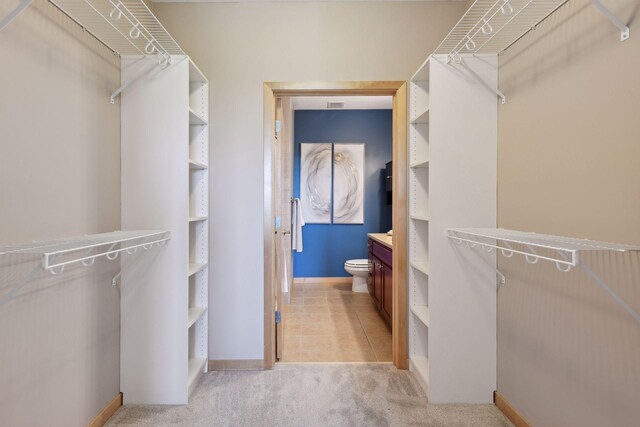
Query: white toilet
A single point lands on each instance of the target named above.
(359, 268)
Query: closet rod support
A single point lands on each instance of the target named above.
(114, 281)
(14, 13)
(624, 29)
(495, 90)
(144, 72)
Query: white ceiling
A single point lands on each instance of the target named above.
(284, 1)
(350, 102)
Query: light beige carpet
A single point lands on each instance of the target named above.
(309, 395)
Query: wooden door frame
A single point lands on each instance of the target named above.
(397, 90)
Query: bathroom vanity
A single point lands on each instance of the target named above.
(380, 280)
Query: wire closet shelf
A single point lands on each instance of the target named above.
(127, 27)
(57, 254)
(492, 26)
(563, 251)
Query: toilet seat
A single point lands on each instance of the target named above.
(362, 264)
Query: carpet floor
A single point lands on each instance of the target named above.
(310, 395)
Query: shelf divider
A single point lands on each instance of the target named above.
(196, 119)
(195, 313)
(421, 266)
(195, 268)
(422, 118)
(420, 164)
(422, 313)
(194, 165)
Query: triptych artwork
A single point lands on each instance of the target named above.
(332, 183)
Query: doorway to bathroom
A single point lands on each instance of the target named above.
(336, 320)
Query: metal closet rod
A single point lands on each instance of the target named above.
(24, 4)
(155, 45)
(83, 28)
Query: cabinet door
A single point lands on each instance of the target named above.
(387, 297)
(371, 276)
(378, 280)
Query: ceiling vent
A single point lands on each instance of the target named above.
(332, 105)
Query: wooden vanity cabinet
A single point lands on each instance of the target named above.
(380, 281)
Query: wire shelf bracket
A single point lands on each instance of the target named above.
(564, 252)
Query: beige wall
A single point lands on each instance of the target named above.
(241, 45)
(59, 177)
(569, 153)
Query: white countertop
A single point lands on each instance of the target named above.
(382, 238)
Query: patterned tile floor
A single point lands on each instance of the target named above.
(329, 323)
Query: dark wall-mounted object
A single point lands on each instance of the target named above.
(389, 182)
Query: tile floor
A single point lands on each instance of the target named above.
(329, 323)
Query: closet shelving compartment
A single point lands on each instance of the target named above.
(452, 158)
(452, 183)
(165, 182)
(419, 110)
(198, 223)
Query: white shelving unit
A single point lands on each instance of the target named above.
(198, 224)
(164, 342)
(419, 110)
(452, 181)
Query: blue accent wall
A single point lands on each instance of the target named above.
(328, 246)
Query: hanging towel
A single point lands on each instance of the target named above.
(286, 286)
(297, 222)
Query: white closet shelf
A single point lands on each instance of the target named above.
(420, 164)
(56, 254)
(566, 248)
(195, 119)
(423, 72)
(420, 218)
(422, 118)
(126, 26)
(421, 266)
(194, 165)
(492, 26)
(196, 368)
(195, 268)
(563, 251)
(198, 218)
(195, 313)
(422, 313)
(420, 366)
